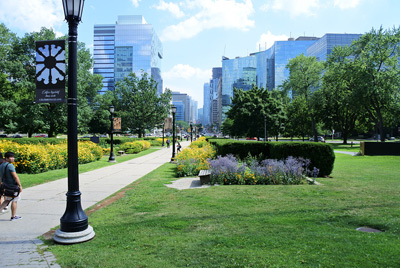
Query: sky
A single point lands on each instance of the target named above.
(196, 33)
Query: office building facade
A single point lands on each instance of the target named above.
(129, 46)
(267, 69)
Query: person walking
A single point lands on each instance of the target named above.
(9, 176)
(168, 142)
(178, 146)
(2, 197)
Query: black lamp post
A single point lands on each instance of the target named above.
(173, 110)
(163, 126)
(112, 157)
(191, 131)
(74, 227)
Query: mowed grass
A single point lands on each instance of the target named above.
(251, 226)
(28, 180)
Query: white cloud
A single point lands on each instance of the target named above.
(344, 4)
(28, 15)
(187, 72)
(294, 7)
(187, 79)
(268, 39)
(211, 14)
(171, 7)
(135, 3)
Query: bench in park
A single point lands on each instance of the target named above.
(205, 176)
(121, 152)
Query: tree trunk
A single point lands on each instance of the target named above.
(380, 126)
(314, 127)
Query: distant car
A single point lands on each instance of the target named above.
(17, 136)
(3, 135)
(41, 136)
(251, 138)
(320, 139)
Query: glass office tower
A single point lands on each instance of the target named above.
(233, 71)
(323, 47)
(131, 45)
(283, 52)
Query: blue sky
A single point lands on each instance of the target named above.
(197, 33)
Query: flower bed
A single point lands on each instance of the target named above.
(227, 170)
(193, 159)
(36, 158)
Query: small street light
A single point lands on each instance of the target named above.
(74, 227)
(191, 131)
(163, 126)
(112, 157)
(173, 110)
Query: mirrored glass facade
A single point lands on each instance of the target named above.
(131, 45)
(323, 47)
(283, 52)
(233, 71)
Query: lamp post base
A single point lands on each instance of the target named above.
(74, 237)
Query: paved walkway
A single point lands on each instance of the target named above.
(42, 207)
(346, 152)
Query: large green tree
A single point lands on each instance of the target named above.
(304, 78)
(338, 106)
(138, 103)
(298, 118)
(378, 75)
(24, 115)
(251, 109)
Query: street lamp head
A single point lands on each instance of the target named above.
(112, 109)
(73, 9)
(173, 109)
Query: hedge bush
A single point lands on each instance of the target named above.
(321, 155)
(132, 147)
(36, 158)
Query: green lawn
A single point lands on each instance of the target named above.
(251, 226)
(28, 180)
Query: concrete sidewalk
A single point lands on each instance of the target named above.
(42, 207)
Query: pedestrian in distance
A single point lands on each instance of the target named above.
(178, 146)
(168, 142)
(10, 177)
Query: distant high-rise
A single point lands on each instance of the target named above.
(267, 69)
(206, 104)
(130, 45)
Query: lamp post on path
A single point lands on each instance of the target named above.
(191, 132)
(112, 157)
(74, 227)
(173, 110)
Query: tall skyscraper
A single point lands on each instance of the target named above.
(130, 45)
(206, 104)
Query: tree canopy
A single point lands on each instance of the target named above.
(250, 111)
(138, 103)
